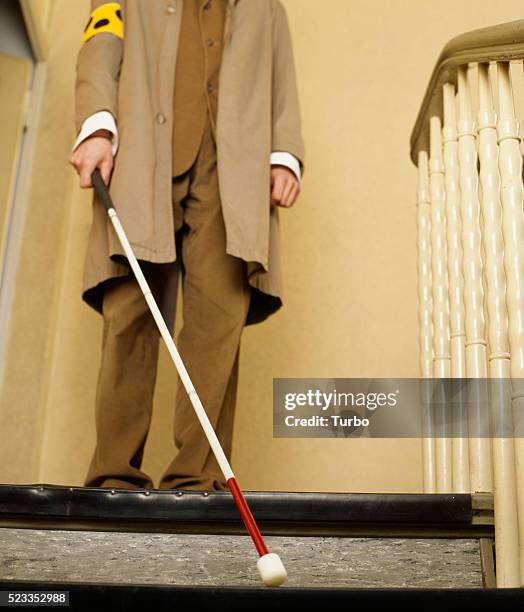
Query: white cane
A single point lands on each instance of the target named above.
(270, 566)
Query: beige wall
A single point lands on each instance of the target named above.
(37, 14)
(349, 256)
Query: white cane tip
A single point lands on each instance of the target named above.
(272, 570)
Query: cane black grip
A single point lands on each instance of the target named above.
(101, 189)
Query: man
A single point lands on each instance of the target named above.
(196, 102)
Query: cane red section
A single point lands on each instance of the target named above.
(247, 517)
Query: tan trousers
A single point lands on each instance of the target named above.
(215, 303)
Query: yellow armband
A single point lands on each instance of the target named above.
(105, 18)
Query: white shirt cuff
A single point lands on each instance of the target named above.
(103, 120)
(282, 158)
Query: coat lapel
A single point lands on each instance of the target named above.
(227, 24)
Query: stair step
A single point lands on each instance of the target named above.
(227, 560)
(126, 545)
(280, 513)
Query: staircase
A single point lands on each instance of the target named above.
(166, 548)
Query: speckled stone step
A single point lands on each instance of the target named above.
(230, 560)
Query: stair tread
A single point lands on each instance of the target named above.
(217, 560)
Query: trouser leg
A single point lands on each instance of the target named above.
(126, 383)
(216, 299)
(213, 477)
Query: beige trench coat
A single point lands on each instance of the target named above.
(258, 112)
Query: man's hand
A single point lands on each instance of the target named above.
(93, 152)
(284, 186)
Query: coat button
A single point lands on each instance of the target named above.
(170, 9)
(160, 118)
(210, 88)
(210, 42)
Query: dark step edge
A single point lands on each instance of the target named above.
(96, 503)
(256, 597)
(273, 528)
